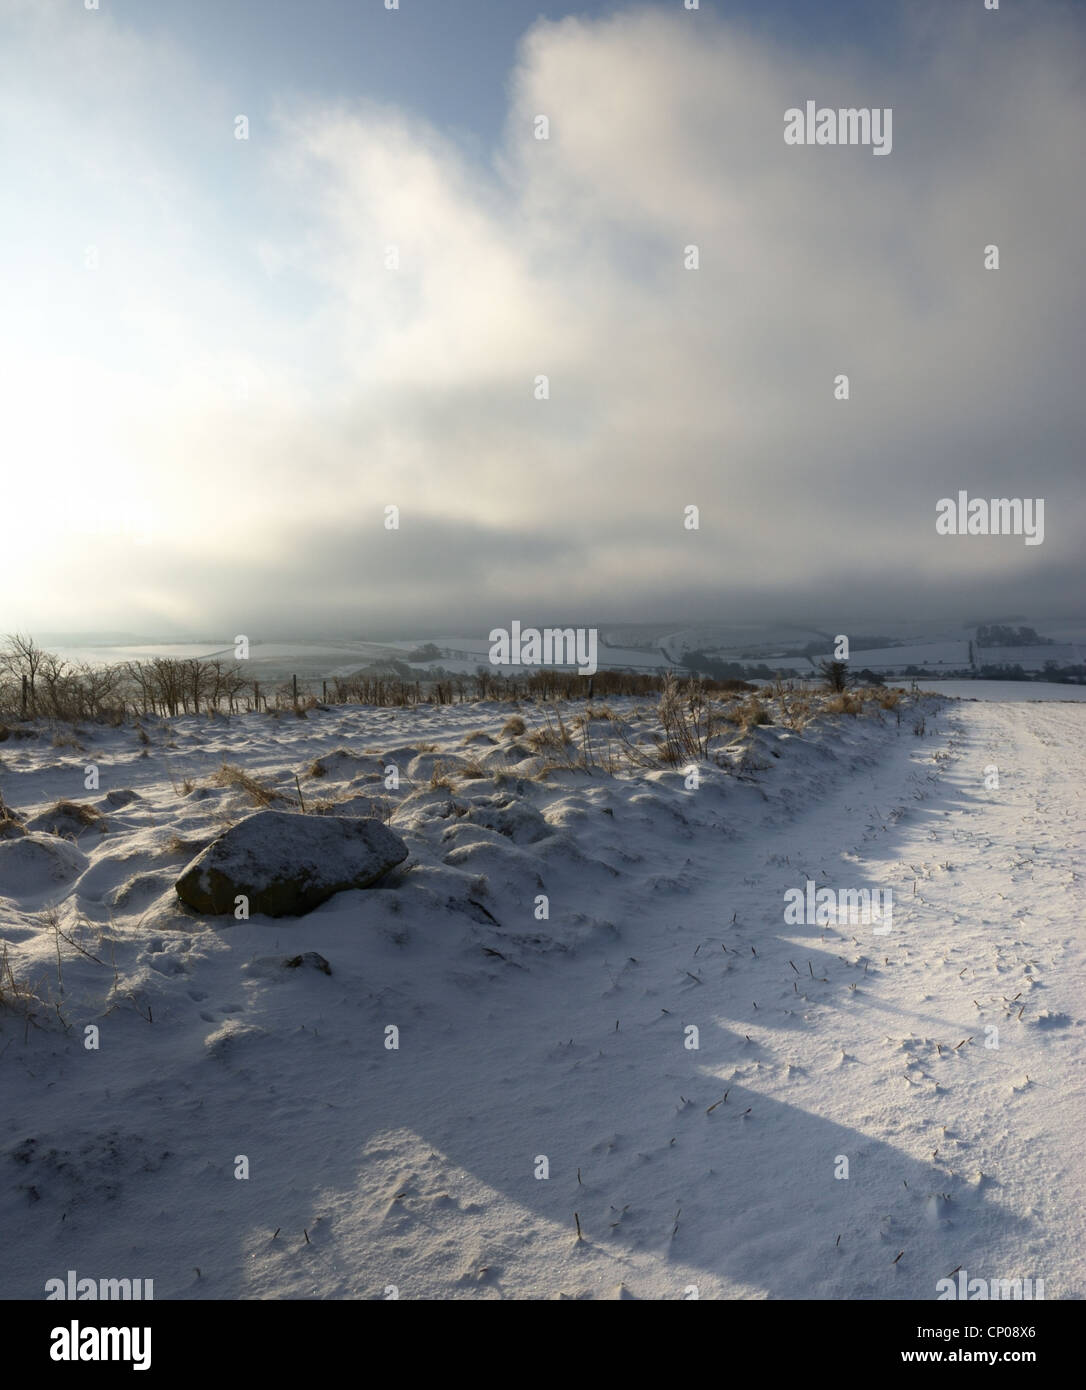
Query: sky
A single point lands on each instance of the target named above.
(224, 359)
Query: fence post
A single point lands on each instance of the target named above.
(294, 682)
(324, 692)
(256, 695)
(24, 697)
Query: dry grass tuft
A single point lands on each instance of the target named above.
(230, 775)
(77, 811)
(550, 736)
(754, 713)
(513, 727)
(17, 995)
(446, 773)
(844, 704)
(176, 846)
(11, 827)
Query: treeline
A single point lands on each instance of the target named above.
(998, 635)
(445, 688)
(35, 684)
(1061, 675)
(700, 663)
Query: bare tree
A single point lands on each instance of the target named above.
(143, 681)
(23, 657)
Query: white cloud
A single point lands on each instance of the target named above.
(246, 358)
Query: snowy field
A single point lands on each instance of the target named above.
(545, 1074)
(1004, 690)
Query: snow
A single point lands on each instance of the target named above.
(1031, 658)
(565, 1040)
(1006, 690)
(953, 654)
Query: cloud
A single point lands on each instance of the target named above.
(269, 385)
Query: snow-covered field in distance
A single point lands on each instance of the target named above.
(1003, 690)
(644, 648)
(715, 1166)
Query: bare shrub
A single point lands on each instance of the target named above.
(551, 734)
(835, 674)
(688, 721)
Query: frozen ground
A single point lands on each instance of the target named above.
(562, 1039)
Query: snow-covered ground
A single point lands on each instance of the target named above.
(558, 1046)
(1005, 690)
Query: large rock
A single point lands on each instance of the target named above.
(287, 864)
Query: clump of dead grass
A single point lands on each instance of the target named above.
(80, 812)
(259, 793)
(753, 714)
(176, 846)
(447, 772)
(844, 703)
